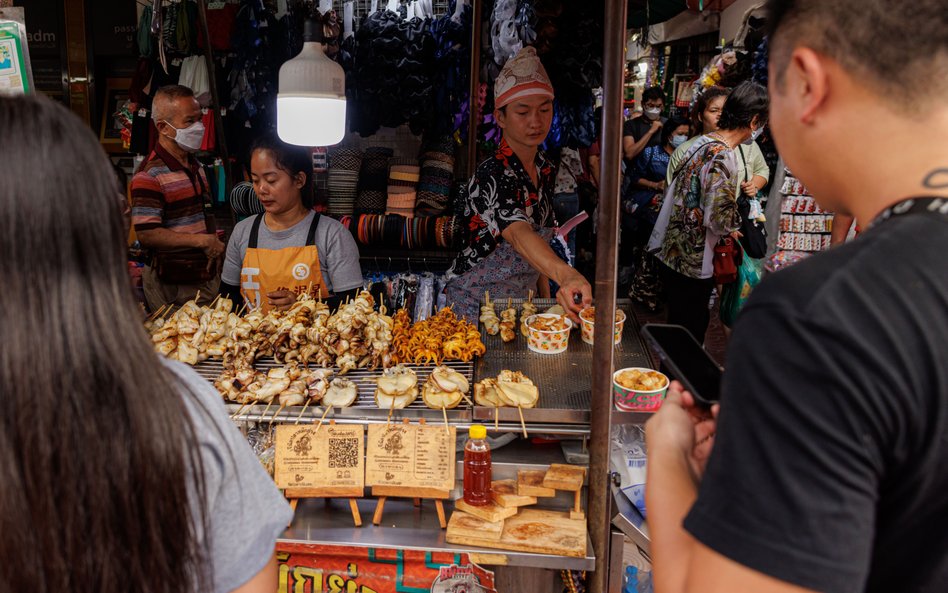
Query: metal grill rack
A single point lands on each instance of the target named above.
(565, 380)
(363, 409)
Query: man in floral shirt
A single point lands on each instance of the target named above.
(509, 210)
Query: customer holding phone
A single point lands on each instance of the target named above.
(826, 468)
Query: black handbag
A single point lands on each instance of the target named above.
(754, 239)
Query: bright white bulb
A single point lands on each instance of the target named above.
(311, 121)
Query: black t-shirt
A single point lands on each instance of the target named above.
(830, 463)
(638, 128)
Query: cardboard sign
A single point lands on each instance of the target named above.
(331, 458)
(411, 456)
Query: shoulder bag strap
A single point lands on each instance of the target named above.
(311, 235)
(254, 231)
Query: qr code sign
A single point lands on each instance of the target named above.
(343, 453)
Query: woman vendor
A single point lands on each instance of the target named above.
(509, 210)
(289, 249)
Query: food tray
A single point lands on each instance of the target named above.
(364, 407)
(565, 380)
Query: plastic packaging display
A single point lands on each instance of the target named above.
(628, 459)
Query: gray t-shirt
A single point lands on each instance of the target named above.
(245, 511)
(338, 252)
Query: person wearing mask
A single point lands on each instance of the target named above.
(508, 210)
(704, 120)
(824, 470)
(641, 132)
(120, 470)
(170, 199)
(569, 172)
(274, 257)
(641, 208)
(701, 207)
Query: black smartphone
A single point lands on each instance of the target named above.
(686, 361)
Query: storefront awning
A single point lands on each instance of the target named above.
(653, 12)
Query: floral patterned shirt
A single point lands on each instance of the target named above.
(702, 208)
(499, 194)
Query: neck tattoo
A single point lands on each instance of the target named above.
(937, 179)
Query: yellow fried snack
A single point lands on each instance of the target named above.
(439, 338)
(641, 380)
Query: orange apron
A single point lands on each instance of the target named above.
(291, 268)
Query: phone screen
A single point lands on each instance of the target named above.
(687, 360)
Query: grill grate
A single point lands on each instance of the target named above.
(364, 405)
(565, 380)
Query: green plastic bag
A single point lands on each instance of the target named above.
(736, 293)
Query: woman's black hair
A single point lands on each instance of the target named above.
(290, 158)
(101, 479)
(669, 127)
(701, 104)
(746, 101)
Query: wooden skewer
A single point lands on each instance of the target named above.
(447, 428)
(197, 297)
(277, 413)
(322, 418)
(267, 409)
(303, 411)
(390, 410)
(522, 423)
(214, 302)
(241, 408)
(496, 418)
(157, 312)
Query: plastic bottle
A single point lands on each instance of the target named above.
(477, 473)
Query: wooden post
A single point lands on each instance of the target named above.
(77, 60)
(474, 116)
(216, 101)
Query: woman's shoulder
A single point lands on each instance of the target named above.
(242, 229)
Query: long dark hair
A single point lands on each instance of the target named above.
(290, 158)
(97, 448)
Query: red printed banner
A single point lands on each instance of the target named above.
(316, 568)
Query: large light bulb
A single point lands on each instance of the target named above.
(311, 121)
(311, 103)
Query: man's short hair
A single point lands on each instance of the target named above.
(898, 48)
(162, 104)
(653, 93)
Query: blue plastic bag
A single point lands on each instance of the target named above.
(736, 293)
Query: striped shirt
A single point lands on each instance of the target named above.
(166, 194)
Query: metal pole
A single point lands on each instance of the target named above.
(613, 64)
(474, 112)
(216, 102)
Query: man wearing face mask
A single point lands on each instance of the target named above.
(169, 201)
(641, 132)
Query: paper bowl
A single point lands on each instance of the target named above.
(589, 326)
(631, 400)
(547, 342)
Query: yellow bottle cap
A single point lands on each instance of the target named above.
(478, 432)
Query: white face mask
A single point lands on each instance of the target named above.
(678, 140)
(189, 138)
(653, 113)
(756, 134)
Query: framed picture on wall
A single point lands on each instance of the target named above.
(116, 94)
